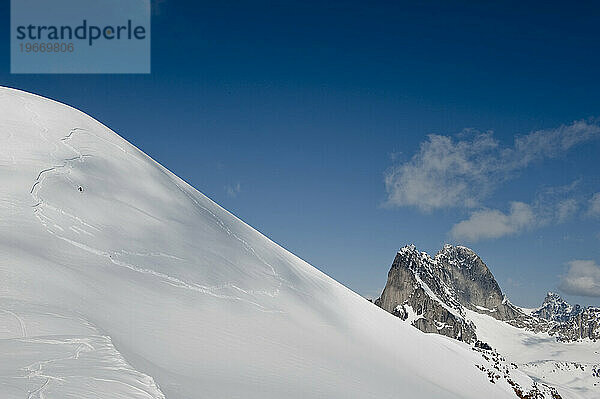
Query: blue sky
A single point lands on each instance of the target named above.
(346, 130)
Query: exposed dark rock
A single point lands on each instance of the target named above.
(557, 309)
(433, 293)
(569, 323)
(483, 345)
(414, 292)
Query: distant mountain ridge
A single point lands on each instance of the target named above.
(556, 309)
(569, 323)
(432, 293)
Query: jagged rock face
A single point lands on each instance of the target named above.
(569, 323)
(401, 283)
(415, 286)
(429, 316)
(439, 289)
(585, 324)
(473, 282)
(433, 293)
(557, 309)
(473, 286)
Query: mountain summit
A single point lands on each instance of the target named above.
(567, 322)
(438, 290)
(556, 309)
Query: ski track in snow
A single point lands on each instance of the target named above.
(20, 320)
(40, 370)
(67, 166)
(35, 370)
(245, 244)
(31, 373)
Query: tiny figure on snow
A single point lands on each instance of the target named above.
(80, 189)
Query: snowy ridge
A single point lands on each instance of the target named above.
(176, 296)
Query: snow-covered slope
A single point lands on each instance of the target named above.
(572, 367)
(119, 280)
(48, 353)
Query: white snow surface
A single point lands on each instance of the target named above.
(139, 286)
(571, 367)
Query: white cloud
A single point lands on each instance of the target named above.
(566, 209)
(595, 205)
(233, 190)
(492, 223)
(583, 278)
(444, 173)
(448, 172)
(556, 204)
(550, 207)
(552, 143)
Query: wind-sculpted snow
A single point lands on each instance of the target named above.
(46, 354)
(143, 287)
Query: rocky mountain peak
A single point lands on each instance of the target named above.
(555, 308)
(415, 292)
(569, 322)
(408, 248)
(435, 292)
(458, 256)
(410, 257)
(474, 284)
(456, 275)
